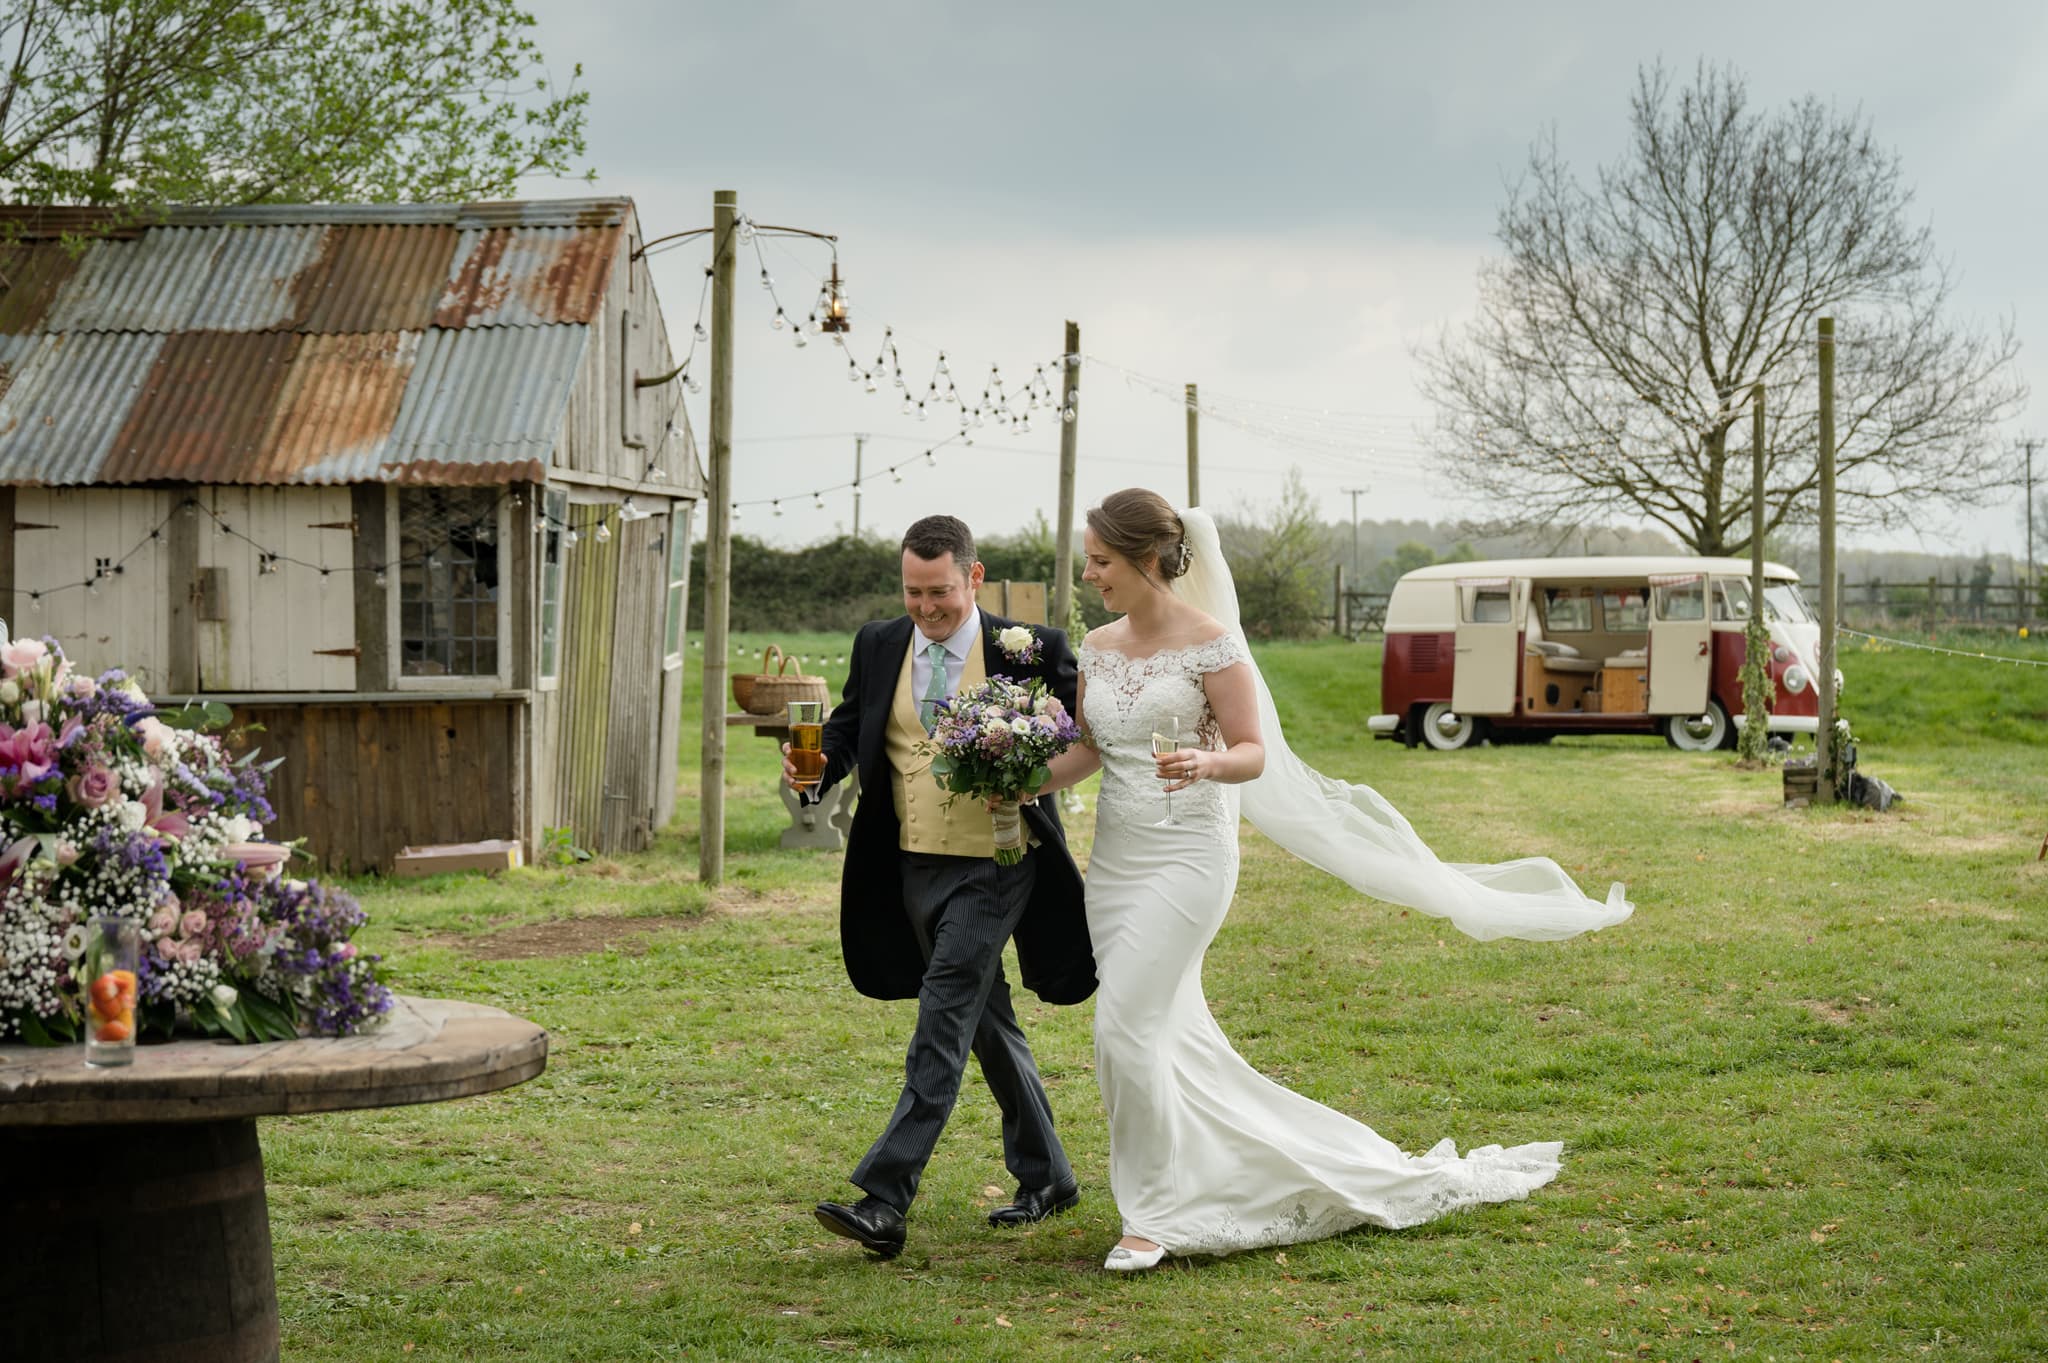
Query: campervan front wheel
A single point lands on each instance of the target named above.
(1446, 730)
(1700, 733)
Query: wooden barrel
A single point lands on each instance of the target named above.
(145, 1241)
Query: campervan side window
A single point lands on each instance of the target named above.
(1488, 606)
(1731, 600)
(1625, 610)
(1567, 610)
(1682, 600)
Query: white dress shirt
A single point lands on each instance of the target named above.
(958, 647)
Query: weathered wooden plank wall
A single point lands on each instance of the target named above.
(360, 781)
(631, 782)
(589, 608)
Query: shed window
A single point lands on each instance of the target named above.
(448, 559)
(678, 576)
(555, 519)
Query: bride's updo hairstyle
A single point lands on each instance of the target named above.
(1141, 527)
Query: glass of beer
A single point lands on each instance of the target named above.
(807, 742)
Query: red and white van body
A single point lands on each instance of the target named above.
(1536, 647)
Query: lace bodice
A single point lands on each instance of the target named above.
(1129, 699)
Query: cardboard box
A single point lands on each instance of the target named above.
(494, 854)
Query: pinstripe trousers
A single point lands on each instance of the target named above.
(963, 910)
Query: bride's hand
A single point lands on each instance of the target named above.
(1182, 769)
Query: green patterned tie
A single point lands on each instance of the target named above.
(935, 690)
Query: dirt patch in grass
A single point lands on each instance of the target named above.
(1833, 1014)
(566, 937)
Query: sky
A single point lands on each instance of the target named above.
(1277, 202)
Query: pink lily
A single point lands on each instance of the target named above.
(165, 823)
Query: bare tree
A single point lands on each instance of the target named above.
(1615, 339)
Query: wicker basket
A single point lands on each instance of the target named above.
(769, 693)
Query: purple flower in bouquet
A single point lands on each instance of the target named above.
(316, 962)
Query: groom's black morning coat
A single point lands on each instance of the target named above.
(882, 956)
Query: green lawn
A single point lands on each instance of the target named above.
(1800, 1091)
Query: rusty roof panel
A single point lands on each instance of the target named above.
(527, 276)
(31, 273)
(188, 279)
(375, 278)
(204, 408)
(65, 399)
(338, 402)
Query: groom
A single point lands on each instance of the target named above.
(924, 907)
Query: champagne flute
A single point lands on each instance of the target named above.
(1164, 745)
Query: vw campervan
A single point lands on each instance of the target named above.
(1531, 648)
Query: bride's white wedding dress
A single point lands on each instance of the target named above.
(1206, 1154)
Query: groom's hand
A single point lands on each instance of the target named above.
(789, 775)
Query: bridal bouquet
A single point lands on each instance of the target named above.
(109, 808)
(993, 743)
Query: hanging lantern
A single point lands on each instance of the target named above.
(832, 316)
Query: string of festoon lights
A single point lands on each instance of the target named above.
(999, 402)
(111, 568)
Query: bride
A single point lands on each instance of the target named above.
(1207, 1156)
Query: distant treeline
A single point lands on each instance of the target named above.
(1283, 559)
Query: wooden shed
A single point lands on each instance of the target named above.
(409, 486)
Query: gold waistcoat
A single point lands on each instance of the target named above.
(927, 824)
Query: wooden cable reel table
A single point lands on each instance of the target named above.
(133, 1222)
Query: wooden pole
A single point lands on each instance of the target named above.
(717, 545)
(1824, 666)
(859, 447)
(1195, 458)
(1070, 431)
(1341, 616)
(1756, 685)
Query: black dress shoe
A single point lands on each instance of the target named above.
(873, 1222)
(1035, 1204)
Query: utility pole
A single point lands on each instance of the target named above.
(1824, 666)
(717, 546)
(859, 443)
(1194, 454)
(1356, 493)
(1070, 430)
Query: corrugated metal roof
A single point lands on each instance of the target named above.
(470, 406)
(297, 343)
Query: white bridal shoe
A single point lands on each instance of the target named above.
(1123, 1260)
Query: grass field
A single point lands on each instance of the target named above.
(1801, 1091)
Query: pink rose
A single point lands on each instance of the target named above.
(83, 687)
(21, 655)
(345, 952)
(193, 923)
(66, 853)
(164, 921)
(167, 948)
(94, 786)
(155, 735)
(188, 952)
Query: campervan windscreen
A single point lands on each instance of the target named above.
(1782, 601)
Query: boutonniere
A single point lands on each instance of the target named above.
(1020, 645)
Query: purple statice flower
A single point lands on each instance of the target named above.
(317, 962)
